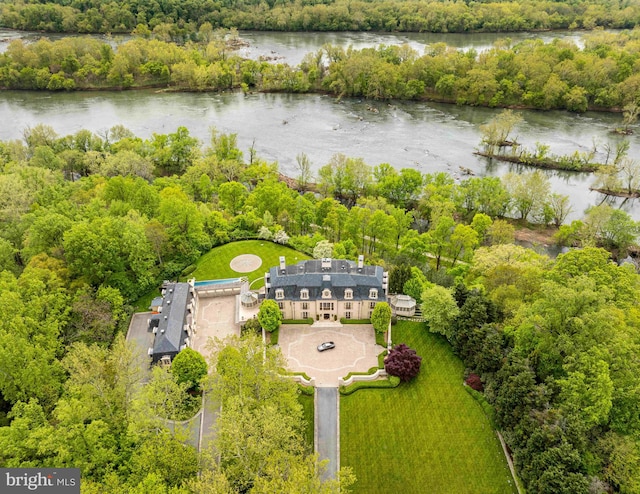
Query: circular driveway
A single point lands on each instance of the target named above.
(355, 351)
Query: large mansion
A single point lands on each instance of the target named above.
(320, 289)
(326, 289)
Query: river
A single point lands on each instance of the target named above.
(291, 48)
(429, 137)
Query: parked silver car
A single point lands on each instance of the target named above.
(327, 345)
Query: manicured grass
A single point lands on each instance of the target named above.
(307, 405)
(215, 263)
(428, 435)
(143, 303)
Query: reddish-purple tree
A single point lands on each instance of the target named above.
(474, 382)
(403, 362)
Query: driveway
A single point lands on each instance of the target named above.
(327, 429)
(139, 332)
(142, 338)
(355, 351)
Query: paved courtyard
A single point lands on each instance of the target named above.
(355, 351)
(216, 318)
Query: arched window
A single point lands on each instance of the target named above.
(326, 293)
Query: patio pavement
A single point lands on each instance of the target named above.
(216, 318)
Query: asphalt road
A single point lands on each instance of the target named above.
(326, 420)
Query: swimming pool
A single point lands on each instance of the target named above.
(216, 282)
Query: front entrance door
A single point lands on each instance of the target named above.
(327, 317)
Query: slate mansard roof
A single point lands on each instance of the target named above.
(171, 334)
(317, 275)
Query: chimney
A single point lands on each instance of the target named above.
(283, 265)
(326, 263)
(360, 261)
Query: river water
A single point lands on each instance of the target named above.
(291, 47)
(429, 137)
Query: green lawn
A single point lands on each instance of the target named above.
(215, 263)
(143, 303)
(426, 436)
(307, 405)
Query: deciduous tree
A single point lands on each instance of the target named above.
(439, 309)
(269, 315)
(381, 317)
(189, 367)
(402, 362)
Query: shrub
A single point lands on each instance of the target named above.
(281, 237)
(265, 233)
(474, 382)
(252, 326)
(298, 321)
(403, 362)
(392, 382)
(324, 248)
(381, 358)
(488, 410)
(273, 336)
(304, 375)
(241, 235)
(306, 390)
(189, 269)
(371, 371)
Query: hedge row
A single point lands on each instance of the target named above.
(367, 373)
(392, 382)
(486, 407)
(306, 390)
(381, 359)
(298, 321)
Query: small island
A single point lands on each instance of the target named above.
(497, 144)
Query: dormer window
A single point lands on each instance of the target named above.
(279, 294)
(348, 294)
(373, 293)
(304, 294)
(326, 293)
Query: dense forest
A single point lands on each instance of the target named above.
(605, 74)
(89, 223)
(93, 16)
